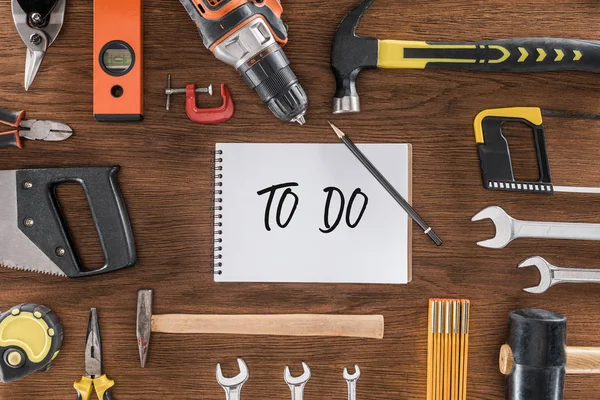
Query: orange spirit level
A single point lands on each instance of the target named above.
(118, 61)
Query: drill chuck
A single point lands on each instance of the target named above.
(277, 85)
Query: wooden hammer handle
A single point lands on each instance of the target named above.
(580, 360)
(364, 326)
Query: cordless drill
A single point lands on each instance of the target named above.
(248, 35)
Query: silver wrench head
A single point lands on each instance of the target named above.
(545, 269)
(296, 381)
(354, 376)
(236, 381)
(504, 227)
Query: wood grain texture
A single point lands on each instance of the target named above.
(166, 180)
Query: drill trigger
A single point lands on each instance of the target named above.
(209, 116)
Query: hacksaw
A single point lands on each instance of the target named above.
(494, 151)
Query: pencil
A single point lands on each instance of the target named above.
(387, 185)
(430, 332)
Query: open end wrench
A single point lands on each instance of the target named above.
(509, 229)
(233, 386)
(551, 275)
(297, 384)
(351, 380)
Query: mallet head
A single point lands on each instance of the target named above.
(144, 323)
(351, 54)
(537, 343)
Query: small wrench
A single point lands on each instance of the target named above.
(351, 380)
(297, 384)
(509, 229)
(233, 386)
(551, 275)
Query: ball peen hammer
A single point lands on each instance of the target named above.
(351, 54)
(363, 326)
(536, 359)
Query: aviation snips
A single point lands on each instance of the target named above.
(38, 23)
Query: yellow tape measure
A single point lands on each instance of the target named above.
(30, 338)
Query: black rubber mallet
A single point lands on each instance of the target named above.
(536, 359)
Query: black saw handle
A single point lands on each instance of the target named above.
(515, 55)
(37, 202)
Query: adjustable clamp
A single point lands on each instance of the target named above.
(205, 116)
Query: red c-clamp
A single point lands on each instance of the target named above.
(208, 116)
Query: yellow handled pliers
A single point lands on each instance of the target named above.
(93, 378)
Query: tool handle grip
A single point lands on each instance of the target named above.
(365, 326)
(83, 387)
(10, 139)
(512, 55)
(583, 360)
(580, 360)
(50, 231)
(11, 118)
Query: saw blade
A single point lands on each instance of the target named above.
(17, 251)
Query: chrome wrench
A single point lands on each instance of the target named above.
(233, 386)
(551, 275)
(297, 384)
(351, 380)
(509, 229)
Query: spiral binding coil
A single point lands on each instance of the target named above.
(217, 265)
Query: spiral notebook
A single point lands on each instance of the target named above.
(310, 213)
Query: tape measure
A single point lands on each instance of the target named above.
(30, 338)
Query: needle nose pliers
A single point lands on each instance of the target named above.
(94, 378)
(31, 129)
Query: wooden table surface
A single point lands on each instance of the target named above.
(165, 178)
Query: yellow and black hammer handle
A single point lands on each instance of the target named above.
(518, 55)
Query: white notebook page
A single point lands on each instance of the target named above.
(376, 250)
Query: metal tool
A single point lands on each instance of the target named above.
(30, 339)
(249, 35)
(93, 379)
(535, 357)
(233, 386)
(34, 235)
(494, 152)
(38, 24)
(551, 275)
(297, 384)
(509, 229)
(351, 54)
(366, 326)
(31, 129)
(205, 116)
(169, 91)
(351, 381)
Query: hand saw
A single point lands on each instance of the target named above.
(494, 152)
(34, 235)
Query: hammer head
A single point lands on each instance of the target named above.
(349, 56)
(144, 323)
(537, 340)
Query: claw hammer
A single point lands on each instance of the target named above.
(351, 54)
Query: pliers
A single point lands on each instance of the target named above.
(31, 129)
(38, 23)
(93, 378)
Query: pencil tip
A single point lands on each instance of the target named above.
(337, 131)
